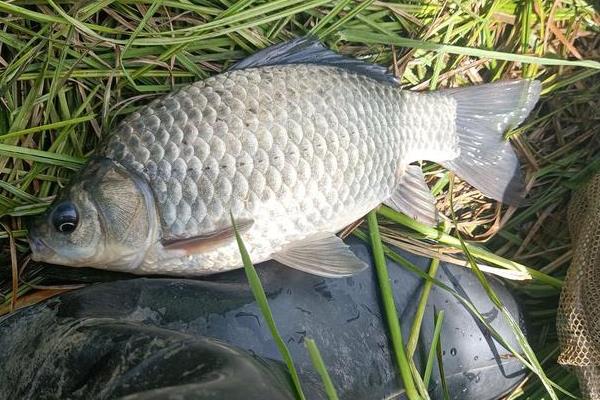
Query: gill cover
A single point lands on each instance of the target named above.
(115, 222)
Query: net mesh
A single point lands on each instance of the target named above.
(578, 318)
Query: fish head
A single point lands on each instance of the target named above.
(105, 218)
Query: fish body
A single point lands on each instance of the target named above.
(294, 151)
(298, 149)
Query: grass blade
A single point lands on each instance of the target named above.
(465, 302)
(389, 306)
(261, 300)
(317, 361)
(376, 38)
(508, 317)
(442, 237)
(411, 345)
(514, 325)
(440, 363)
(354, 12)
(433, 350)
(54, 125)
(24, 153)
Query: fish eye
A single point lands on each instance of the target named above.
(65, 218)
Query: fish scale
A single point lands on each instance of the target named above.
(285, 146)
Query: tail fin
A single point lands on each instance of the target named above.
(483, 114)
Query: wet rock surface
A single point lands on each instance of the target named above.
(205, 339)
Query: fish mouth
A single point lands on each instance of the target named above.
(39, 249)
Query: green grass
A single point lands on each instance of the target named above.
(263, 304)
(311, 346)
(434, 349)
(69, 71)
(315, 356)
(389, 306)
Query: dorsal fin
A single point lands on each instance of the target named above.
(308, 50)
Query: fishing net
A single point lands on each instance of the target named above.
(578, 318)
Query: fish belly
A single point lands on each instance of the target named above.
(298, 149)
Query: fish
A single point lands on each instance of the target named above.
(290, 145)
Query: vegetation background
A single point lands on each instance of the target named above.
(70, 70)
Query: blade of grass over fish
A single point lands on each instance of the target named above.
(319, 365)
(389, 306)
(261, 299)
(433, 349)
(375, 38)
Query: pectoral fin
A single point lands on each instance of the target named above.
(323, 254)
(413, 197)
(206, 242)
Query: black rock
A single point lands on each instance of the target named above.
(153, 338)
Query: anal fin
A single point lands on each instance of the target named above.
(323, 254)
(413, 197)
